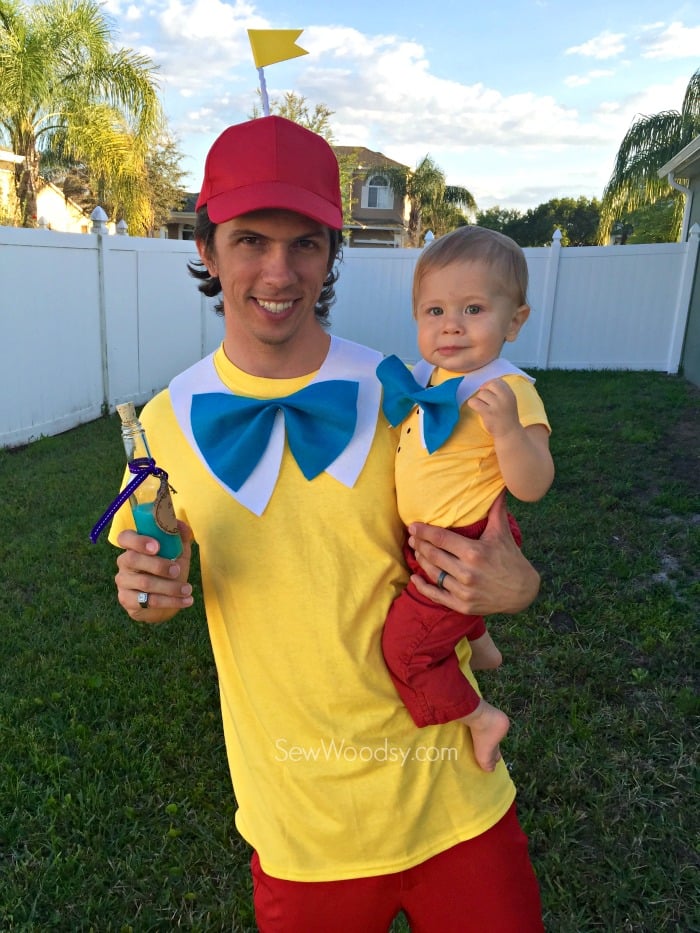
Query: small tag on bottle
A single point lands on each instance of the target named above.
(163, 511)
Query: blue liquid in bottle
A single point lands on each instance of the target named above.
(144, 519)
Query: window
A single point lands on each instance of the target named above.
(377, 193)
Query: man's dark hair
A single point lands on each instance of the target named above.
(209, 285)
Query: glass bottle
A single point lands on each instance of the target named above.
(150, 502)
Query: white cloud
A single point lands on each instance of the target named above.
(582, 80)
(346, 42)
(604, 45)
(577, 80)
(202, 44)
(212, 20)
(133, 13)
(674, 41)
(619, 115)
(380, 87)
(396, 99)
(148, 50)
(609, 107)
(658, 97)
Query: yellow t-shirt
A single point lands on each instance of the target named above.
(457, 484)
(331, 777)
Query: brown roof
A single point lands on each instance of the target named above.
(367, 158)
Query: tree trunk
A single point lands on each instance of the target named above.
(414, 224)
(26, 179)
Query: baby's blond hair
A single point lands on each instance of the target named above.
(481, 245)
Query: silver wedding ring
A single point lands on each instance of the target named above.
(441, 579)
(143, 600)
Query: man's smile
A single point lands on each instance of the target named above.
(274, 307)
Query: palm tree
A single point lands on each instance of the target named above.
(649, 143)
(441, 217)
(66, 95)
(428, 195)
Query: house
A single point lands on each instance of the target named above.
(685, 165)
(378, 216)
(180, 225)
(54, 210)
(57, 212)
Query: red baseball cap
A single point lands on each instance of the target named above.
(271, 162)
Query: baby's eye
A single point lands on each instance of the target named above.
(434, 312)
(472, 309)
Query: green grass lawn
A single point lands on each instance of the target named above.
(115, 801)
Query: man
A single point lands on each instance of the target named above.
(282, 464)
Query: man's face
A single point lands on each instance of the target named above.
(272, 265)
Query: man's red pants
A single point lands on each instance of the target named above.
(484, 885)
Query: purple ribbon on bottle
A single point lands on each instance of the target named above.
(143, 467)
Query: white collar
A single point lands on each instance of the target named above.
(345, 360)
(471, 382)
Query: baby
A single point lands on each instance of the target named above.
(472, 425)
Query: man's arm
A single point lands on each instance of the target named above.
(140, 570)
(483, 577)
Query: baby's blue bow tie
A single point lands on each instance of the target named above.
(402, 393)
(233, 431)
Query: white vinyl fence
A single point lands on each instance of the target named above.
(88, 321)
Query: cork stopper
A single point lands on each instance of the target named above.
(127, 412)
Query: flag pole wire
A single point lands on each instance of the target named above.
(263, 92)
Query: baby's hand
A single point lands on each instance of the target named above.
(496, 403)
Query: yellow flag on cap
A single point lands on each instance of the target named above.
(274, 45)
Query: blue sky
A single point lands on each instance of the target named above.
(519, 101)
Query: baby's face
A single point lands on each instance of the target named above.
(464, 315)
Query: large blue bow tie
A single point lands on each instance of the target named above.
(233, 431)
(402, 393)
